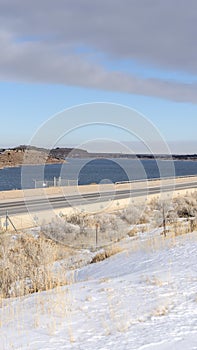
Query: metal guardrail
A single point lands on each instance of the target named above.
(155, 179)
(56, 182)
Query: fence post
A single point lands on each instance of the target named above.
(6, 220)
(164, 222)
(7, 223)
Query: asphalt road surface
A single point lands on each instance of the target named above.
(34, 205)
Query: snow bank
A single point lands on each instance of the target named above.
(142, 298)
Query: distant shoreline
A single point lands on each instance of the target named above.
(65, 161)
(33, 164)
(31, 155)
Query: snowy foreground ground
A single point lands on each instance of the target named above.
(142, 298)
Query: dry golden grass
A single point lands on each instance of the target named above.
(154, 281)
(160, 311)
(105, 254)
(25, 264)
(133, 232)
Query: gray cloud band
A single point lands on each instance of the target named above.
(64, 123)
(61, 50)
(17, 64)
(152, 33)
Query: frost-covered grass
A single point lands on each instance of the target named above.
(86, 231)
(27, 261)
(81, 230)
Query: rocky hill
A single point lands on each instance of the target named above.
(23, 156)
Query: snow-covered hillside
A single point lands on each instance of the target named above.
(142, 298)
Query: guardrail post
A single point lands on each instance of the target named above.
(54, 181)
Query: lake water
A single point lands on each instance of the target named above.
(87, 171)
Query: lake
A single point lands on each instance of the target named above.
(86, 171)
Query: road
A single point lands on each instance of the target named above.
(35, 205)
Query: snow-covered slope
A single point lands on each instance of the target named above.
(142, 298)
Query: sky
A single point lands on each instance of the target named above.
(136, 53)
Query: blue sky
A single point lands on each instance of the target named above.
(25, 107)
(79, 52)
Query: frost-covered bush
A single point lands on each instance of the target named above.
(134, 215)
(186, 206)
(82, 230)
(179, 215)
(61, 231)
(110, 227)
(164, 211)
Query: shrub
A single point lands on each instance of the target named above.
(80, 230)
(186, 207)
(61, 231)
(134, 215)
(25, 265)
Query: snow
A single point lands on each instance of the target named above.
(142, 298)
